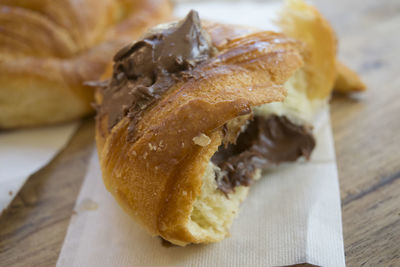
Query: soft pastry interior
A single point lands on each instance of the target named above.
(181, 134)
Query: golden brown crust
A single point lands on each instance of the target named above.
(48, 49)
(221, 33)
(157, 178)
(303, 22)
(347, 81)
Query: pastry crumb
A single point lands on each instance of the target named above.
(202, 140)
(160, 145)
(88, 204)
(152, 147)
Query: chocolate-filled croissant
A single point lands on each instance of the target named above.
(194, 111)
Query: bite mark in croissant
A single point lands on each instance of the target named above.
(264, 143)
(179, 158)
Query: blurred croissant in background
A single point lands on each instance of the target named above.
(48, 49)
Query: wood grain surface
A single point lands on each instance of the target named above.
(367, 139)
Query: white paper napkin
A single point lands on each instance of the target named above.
(23, 152)
(292, 215)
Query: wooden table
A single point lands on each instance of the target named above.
(367, 139)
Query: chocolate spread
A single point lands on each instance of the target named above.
(265, 143)
(144, 70)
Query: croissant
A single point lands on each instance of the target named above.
(49, 48)
(194, 110)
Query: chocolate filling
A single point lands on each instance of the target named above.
(143, 71)
(265, 142)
